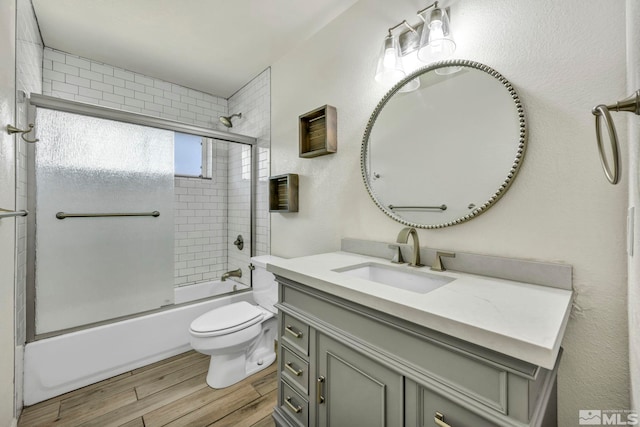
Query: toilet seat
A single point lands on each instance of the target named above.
(226, 320)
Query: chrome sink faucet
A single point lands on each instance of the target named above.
(403, 237)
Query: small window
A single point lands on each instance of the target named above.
(192, 156)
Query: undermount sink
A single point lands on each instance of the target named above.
(415, 281)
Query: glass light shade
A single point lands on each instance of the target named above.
(436, 41)
(389, 68)
(411, 85)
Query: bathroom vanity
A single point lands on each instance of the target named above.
(357, 350)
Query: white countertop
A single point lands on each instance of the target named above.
(518, 319)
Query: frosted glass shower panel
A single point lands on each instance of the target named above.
(93, 269)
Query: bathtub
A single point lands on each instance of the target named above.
(189, 293)
(57, 365)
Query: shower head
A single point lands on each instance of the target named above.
(226, 120)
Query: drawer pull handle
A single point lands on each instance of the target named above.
(439, 420)
(296, 372)
(292, 332)
(295, 409)
(319, 389)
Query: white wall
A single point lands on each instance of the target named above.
(7, 201)
(633, 84)
(563, 58)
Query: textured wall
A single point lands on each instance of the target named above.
(7, 201)
(563, 58)
(633, 84)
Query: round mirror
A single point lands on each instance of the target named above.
(445, 152)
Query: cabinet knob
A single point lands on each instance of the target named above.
(438, 418)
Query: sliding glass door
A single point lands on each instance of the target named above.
(90, 269)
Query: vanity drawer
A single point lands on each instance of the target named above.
(295, 333)
(294, 405)
(294, 369)
(425, 408)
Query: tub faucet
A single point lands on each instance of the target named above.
(233, 273)
(403, 237)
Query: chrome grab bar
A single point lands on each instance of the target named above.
(5, 213)
(417, 208)
(63, 215)
(631, 105)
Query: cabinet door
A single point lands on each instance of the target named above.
(354, 391)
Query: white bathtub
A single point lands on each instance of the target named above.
(188, 293)
(57, 365)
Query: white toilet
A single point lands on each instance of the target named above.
(240, 336)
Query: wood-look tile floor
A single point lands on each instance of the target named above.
(172, 392)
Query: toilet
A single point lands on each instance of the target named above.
(239, 337)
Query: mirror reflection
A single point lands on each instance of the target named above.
(445, 152)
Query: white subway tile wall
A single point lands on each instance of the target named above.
(254, 102)
(71, 77)
(200, 211)
(29, 49)
(239, 209)
(207, 223)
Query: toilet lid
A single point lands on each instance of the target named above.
(228, 318)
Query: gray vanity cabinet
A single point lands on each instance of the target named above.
(354, 390)
(343, 364)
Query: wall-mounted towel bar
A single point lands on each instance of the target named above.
(63, 215)
(5, 213)
(630, 104)
(418, 208)
(12, 129)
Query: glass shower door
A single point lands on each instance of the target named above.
(91, 269)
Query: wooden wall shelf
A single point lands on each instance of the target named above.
(318, 132)
(283, 193)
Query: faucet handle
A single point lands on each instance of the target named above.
(437, 264)
(397, 256)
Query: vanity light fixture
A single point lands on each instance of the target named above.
(390, 68)
(436, 41)
(429, 41)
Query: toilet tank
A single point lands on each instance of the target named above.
(265, 288)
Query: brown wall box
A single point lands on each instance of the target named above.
(283, 193)
(318, 132)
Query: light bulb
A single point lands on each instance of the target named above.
(389, 60)
(389, 69)
(436, 34)
(436, 40)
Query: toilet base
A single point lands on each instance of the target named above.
(226, 370)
